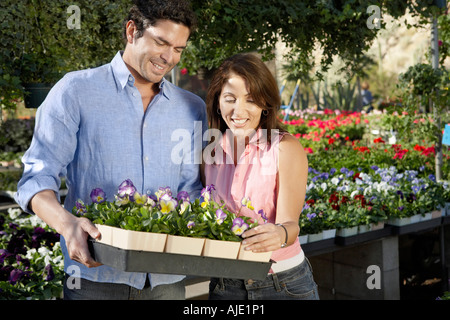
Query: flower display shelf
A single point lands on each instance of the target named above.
(446, 220)
(168, 263)
(370, 227)
(417, 226)
(364, 236)
(318, 246)
(347, 232)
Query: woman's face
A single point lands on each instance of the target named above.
(237, 108)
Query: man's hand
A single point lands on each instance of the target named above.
(76, 235)
(74, 230)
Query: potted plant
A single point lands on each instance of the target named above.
(39, 45)
(38, 73)
(131, 222)
(371, 212)
(187, 231)
(33, 58)
(373, 219)
(240, 224)
(230, 226)
(317, 220)
(222, 240)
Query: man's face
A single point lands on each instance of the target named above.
(159, 49)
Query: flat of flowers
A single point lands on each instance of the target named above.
(168, 263)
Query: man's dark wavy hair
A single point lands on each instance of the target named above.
(145, 13)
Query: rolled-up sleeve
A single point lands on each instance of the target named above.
(53, 145)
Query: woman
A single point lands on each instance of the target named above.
(251, 157)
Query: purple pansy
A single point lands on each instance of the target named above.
(263, 215)
(126, 188)
(183, 196)
(220, 216)
(239, 226)
(98, 195)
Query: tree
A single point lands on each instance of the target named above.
(38, 46)
(37, 30)
(337, 27)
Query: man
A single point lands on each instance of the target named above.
(101, 126)
(367, 97)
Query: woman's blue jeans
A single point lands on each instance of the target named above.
(293, 284)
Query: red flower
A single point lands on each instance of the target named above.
(335, 207)
(397, 147)
(361, 198)
(362, 149)
(344, 200)
(333, 198)
(428, 151)
(378, 140)
(400, 154)
(419, 148)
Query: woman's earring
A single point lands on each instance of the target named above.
(218, 111)
(265, 112)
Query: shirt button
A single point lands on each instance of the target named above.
(250, 281)
(146, 158)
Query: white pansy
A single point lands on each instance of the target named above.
(58, 260)
(207, 216)
(30, 254)
(45, 253)
(365, 177)
(14, 213)
(368, 190)
(335, 181)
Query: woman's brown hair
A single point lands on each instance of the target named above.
(261, 85)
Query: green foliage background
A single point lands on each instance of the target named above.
(37, 45)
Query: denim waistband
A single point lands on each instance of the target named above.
(287, 264)
(272, 279)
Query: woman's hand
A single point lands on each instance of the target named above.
(263, 238)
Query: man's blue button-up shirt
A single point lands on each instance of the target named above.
(92, 129)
